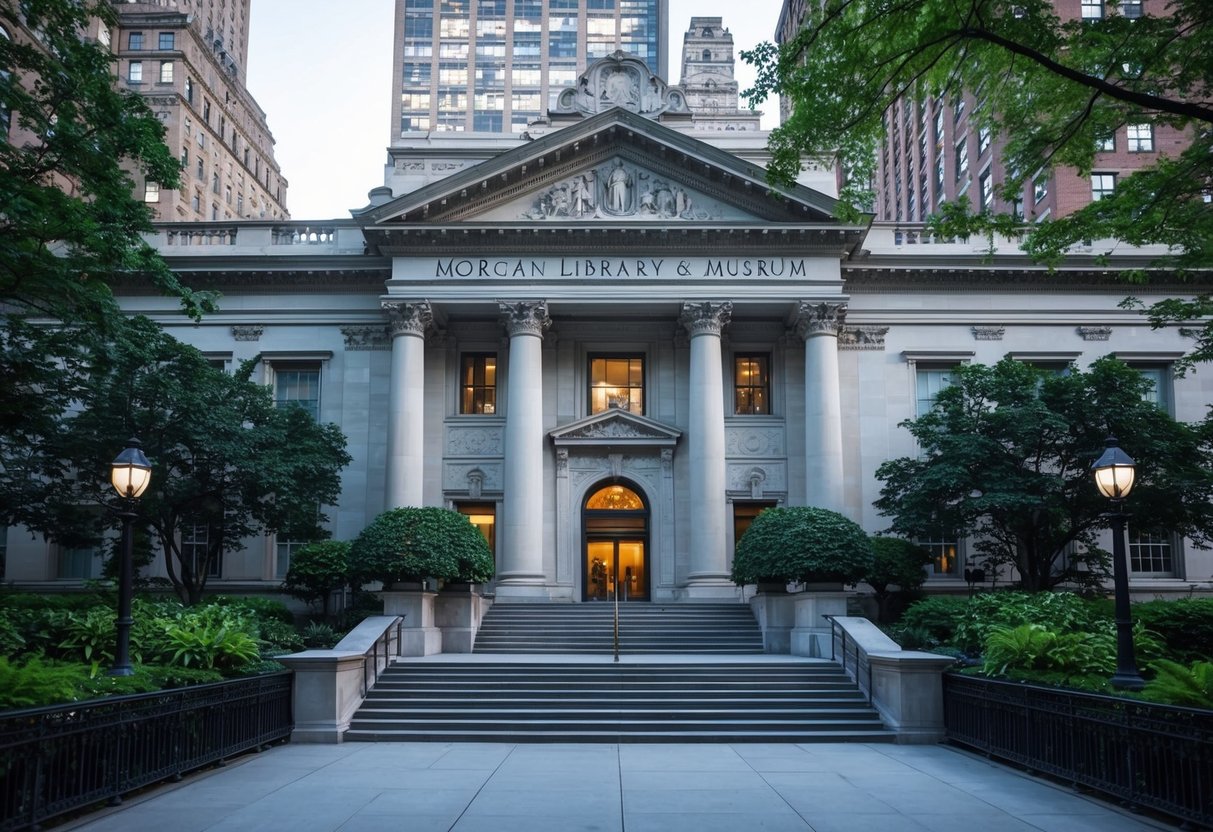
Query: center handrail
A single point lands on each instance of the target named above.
(617, 617)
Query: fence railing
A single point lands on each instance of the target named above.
(54, 760)
(850, 654)
(1150, 756)
(383, 651)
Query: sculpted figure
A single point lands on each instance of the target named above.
(619, 187)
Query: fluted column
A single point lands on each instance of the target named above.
(705, 441)
(409, 321)
(521, 564)
(818, 324)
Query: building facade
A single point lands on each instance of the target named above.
(492, 66)
(188, 59)
(612, 344)
(933, 153)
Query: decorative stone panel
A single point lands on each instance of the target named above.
(1095, 333)
(479, 440)
(989, 333)
(862, 337)
(746, 441)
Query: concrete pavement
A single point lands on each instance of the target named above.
(483, 787)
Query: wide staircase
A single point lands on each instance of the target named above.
(643, 628)
(717, 689)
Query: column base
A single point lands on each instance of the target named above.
(518, 592)
(710, 587)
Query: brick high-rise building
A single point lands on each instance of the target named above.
(493, 65)
(188, 59)
(933, 154)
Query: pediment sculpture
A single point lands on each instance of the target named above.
(621, 80)
(619, 189)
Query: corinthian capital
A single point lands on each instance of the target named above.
(529, 317)
(820, 318)
(705, 317)
(408, 317)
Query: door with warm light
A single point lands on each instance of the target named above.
(615, 520)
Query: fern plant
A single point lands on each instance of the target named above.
(1175, 684)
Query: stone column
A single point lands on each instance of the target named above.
(521, 566)
(708, 576)
(819, 324)
(409, 321)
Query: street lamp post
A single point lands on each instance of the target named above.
(130, 474)
(1114, 473)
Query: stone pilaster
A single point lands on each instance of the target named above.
(708, 575)
(521, 567)
(819, 324)
(408, 322)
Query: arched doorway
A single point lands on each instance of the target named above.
(615, 525)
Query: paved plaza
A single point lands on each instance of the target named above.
(482, 787)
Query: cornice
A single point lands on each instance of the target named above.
(865, 279)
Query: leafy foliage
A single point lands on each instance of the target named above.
(802, 544)
(1006, 454)
(320, 636)
(1185, 626)
(896, 562)
(1178, 685)
(35, 682)
(255, 606)
(223, 455)
(317, 570)
(411, 544)
(210, 645)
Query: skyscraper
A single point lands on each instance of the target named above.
(932, 153)
(493, 65)
(188, 59)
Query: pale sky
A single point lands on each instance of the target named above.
(323, 74)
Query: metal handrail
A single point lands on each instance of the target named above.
(617, 617)
(840, 632)
(372, 667)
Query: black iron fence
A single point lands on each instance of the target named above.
(54, 760)
(1149, 756)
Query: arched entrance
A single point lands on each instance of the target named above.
(615, 525)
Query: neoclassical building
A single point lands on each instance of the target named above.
(611, 343)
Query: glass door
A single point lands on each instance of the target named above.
(616, 566)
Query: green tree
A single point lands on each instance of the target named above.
(70, 227)
(1051, 89)
(1005, 459)
(801, 543)
(895, 562)
(317, 570)
(223, 455)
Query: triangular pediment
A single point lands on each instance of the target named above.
(565, 177)
(615, 427)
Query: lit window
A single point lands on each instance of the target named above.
(943, 548)
(478, 384)
(617, 381)
(298, 387)
(1141, 138)
(168, 40)
(484, 517)
(752, 384)
(1151, 553)
(1102, 185)
(151, 192)
(166, 72)
(134, 73)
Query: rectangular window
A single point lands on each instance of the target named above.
(1150, 553)
(298, 387)
(1106, 143)
(1160, 392)
(1130, 8)
(928, 384)
(1040, 187)
(3, 550)
(943, 548)
(752, 384)
(80, 564)
(962, 159)
(167, 40)
(744, 514)
(135, 41)
(189, 89)
(478, 384)
(1141, 138)
(284, 548)
(134, 72)
(484, 517)
(166, 72)
(983, 140)
(195, 541)
(1092, 9)
(986, 182)
(617, 381)
(151, 192)
(1102, 185)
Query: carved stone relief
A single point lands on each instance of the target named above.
(1095, 333)
(989, 333)
(820, 318)
(466, 478)
(366, 338)
(754, 442)
(620, 189)
(408, 317)
(757, 480)
(862, 337)
(247, 333)
(621, 80)
(475, 441)
(525, 317)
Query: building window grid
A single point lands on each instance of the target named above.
(195, 543)
(1151, 553)
(1141, 138)
(1092, 9)
(752, 384)
(478, 384)
(298, 387)
(617, 381)
(1102, 185)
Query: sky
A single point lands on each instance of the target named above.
(324, 80)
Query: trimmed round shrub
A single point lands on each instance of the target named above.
(411, 544)
(807, 544)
